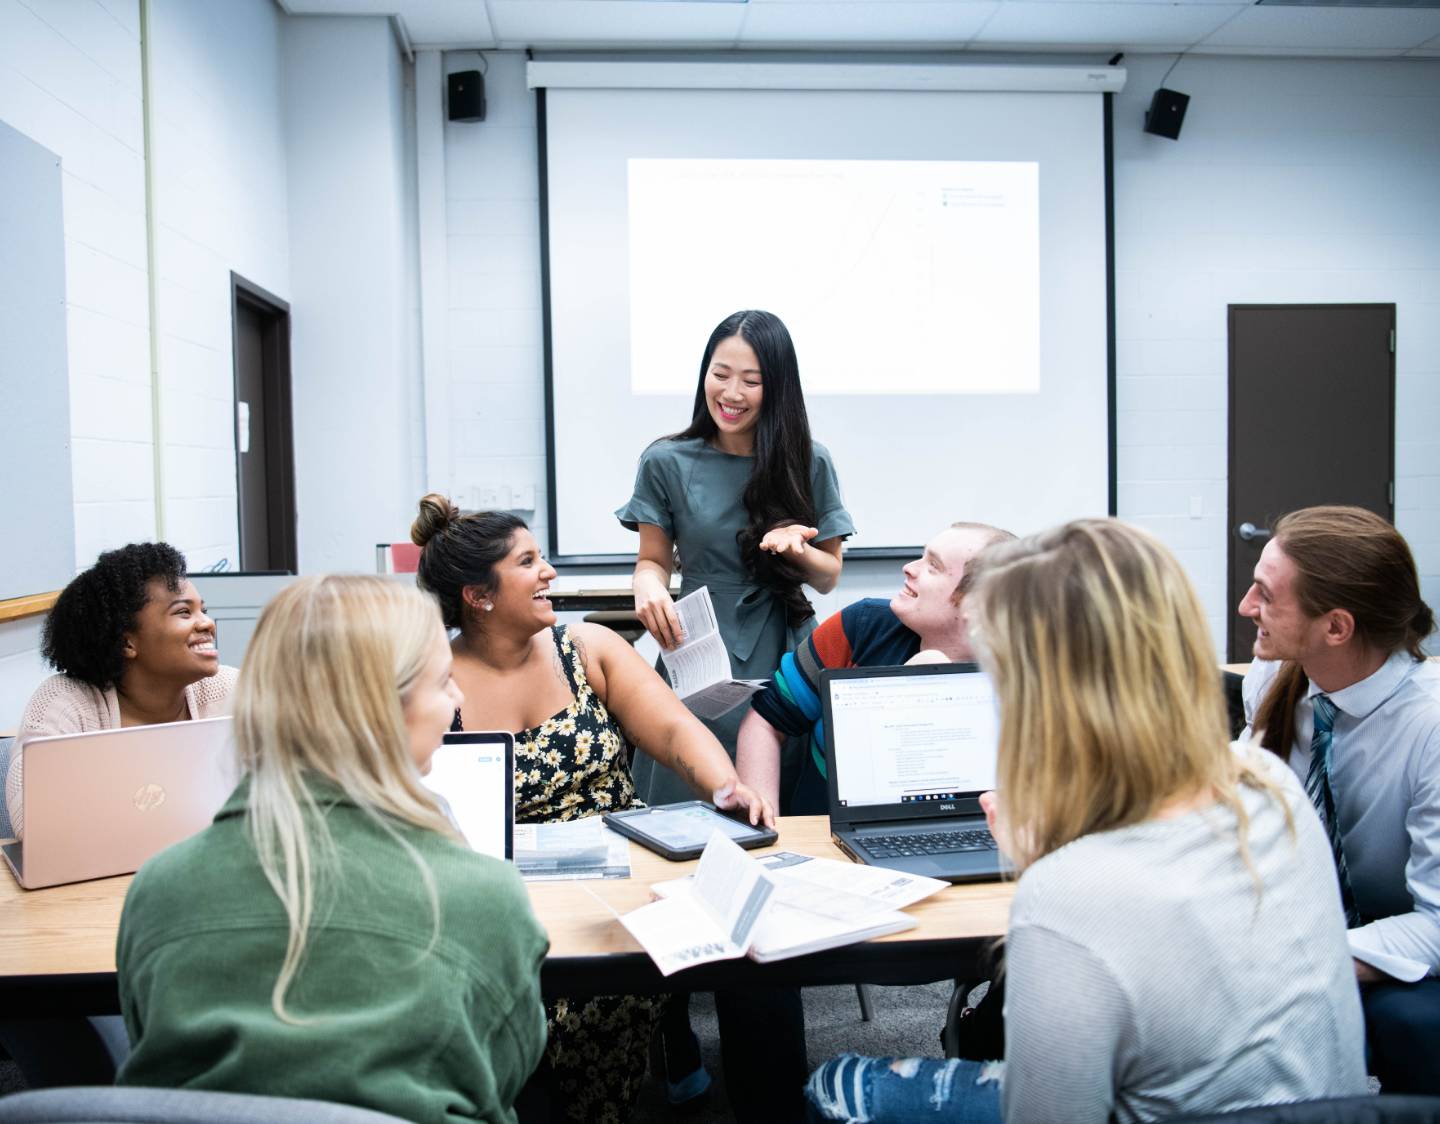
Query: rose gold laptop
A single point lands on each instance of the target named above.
(100, 804)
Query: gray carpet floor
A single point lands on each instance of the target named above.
(906, 1023)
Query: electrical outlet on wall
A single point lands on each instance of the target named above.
(522, 497)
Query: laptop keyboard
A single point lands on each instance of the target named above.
(927, 843)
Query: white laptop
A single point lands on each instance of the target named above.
(473, 773)
(100, 804)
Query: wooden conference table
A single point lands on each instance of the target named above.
(57, 946)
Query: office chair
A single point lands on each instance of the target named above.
(133, 1105)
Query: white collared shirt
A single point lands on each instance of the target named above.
(1385, 775)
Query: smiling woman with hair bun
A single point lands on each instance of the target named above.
(575, 697)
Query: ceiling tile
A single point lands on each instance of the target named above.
(554, 23)
(427, 22)
(1329, 27)
(447, 21)
(864, 22)
(1123, 24)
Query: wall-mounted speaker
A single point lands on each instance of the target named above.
(466, 99)
(1166, 113)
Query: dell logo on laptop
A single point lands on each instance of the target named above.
(148, 797)
(947, 807)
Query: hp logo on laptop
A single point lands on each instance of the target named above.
(148, 797)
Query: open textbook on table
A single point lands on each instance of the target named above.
(771, 908)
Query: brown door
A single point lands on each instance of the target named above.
(1312, 420)
(264, 449)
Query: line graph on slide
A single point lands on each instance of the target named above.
(895, 277)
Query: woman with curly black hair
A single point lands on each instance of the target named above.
(133, 646)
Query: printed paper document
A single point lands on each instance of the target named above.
(699, 668)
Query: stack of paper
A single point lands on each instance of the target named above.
(584, 848)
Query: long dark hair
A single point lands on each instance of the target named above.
(1345, 558)
(778, 491)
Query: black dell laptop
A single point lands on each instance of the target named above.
(908, 751)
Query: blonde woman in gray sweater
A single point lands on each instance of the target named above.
(1176, 943)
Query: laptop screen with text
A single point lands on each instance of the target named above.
(912, 739)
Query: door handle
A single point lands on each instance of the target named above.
(1251, 533)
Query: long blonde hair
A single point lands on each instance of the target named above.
(1110, 697)
(321, 696)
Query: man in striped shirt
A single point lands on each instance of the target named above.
(924, 621)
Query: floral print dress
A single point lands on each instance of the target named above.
(570, 766)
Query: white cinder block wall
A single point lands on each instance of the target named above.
(70, 80)
(492, 204)
(355, 345)
(1295, 180)
(218, 163)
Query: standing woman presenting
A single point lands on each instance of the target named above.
(750, 505)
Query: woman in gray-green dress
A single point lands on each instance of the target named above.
(750, 505)
(752, 508)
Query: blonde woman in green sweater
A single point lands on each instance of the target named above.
(330, 935)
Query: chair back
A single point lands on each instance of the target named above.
(132, 1105)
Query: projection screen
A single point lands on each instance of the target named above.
(940, 258)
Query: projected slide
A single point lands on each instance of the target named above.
(894, 276)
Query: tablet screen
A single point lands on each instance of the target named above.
(690, 826)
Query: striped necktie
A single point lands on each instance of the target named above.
(1317, 786)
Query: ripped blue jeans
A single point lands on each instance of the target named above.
(899, 1090)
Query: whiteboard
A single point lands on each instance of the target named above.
(36, 501)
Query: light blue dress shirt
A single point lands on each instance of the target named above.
(1385, 774)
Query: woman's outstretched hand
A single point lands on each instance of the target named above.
(737, 796)
(791, 538)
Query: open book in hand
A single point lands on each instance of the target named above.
(699, 667)
(772, 908)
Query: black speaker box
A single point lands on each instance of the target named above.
(467, 96)
(1166, 113)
